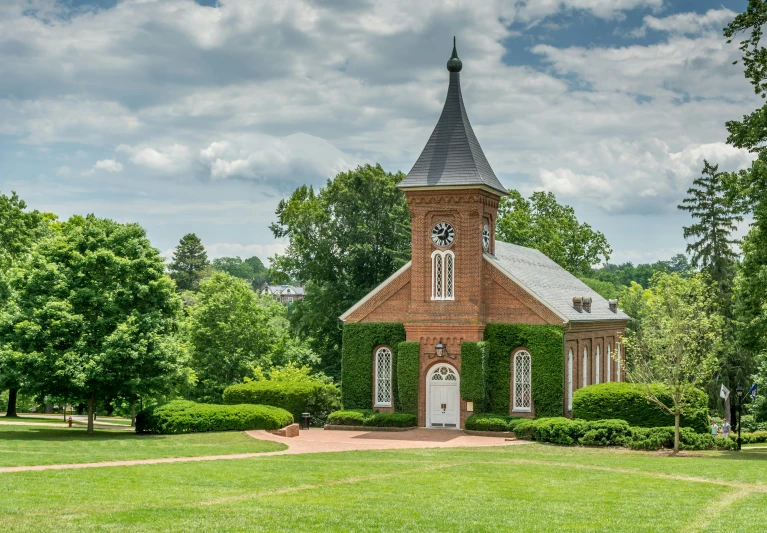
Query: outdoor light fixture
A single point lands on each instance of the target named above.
(440, 351)
(739, 390)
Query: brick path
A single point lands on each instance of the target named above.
(315, 441)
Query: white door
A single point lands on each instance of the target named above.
(443, 397)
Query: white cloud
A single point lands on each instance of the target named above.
(110, 165)
(687, 23)
(168, 159)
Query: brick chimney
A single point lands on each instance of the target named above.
(587, 304)
(613, 305)
(578, 303)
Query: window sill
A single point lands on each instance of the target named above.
(521, 410)
(382, 405)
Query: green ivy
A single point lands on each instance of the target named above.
(473, 388)
(546, 346)
(359, 340)
(407, 376)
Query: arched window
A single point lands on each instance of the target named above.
(585, 368)
(383, 365)
(618, 362)
(596, 367)
(570, 380)
(442, 275)
(609, 357)
(522, 383)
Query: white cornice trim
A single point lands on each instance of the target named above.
(375, 291)
(493, 261)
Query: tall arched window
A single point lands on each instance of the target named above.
(383, 364)
(618, 362)
(522, 383)
(596, 367)
(609, 358)
(442, 275)
(585, 368)
(570, 380)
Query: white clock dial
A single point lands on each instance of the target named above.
(485, 237)
(443, 234)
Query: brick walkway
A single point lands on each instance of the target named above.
(316, 441)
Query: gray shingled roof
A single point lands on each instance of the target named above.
(452, 155)
(280, 289)
(553, 285)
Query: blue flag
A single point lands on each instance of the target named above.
(752, 392)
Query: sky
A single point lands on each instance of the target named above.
(200, 116)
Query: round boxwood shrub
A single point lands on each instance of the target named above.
(626, 401)
(319, 399)
(492, 422)
(182, 416)
(370, 418)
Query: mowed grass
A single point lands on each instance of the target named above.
(29, 445)
(517, 488)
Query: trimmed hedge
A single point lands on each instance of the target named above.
(564, 431)
(546, 346)
(182, 416)
(626, 401)
(319, 399)
(473, 374)
(370, 418)
(408, 355)
(755, 437)
(359, 340)
(492, 422)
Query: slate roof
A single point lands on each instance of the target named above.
(280, 289)
(452, 156)
(551, 284)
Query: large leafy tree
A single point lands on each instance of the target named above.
(677, 341)
(250, 269)
(96, 312)
(20, 228)
(229, 334)
(189, 263)
(343, 241)
(709, 238)
(546, 225)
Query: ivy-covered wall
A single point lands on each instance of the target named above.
(408, 354)
(359, 339)
(473, 375)
(546, 346)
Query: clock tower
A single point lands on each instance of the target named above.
(453, 194)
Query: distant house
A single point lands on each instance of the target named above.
(285, 294)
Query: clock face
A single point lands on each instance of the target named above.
(485, 237)
(443, 234)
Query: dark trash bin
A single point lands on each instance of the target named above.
(305, 420)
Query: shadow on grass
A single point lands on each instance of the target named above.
(29, 433)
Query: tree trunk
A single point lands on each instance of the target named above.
(91, 410)
(133, 415)
(677, 416)
(11, 412)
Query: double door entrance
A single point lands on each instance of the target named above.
(442, 397)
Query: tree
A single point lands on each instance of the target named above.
(250, 269)
(19, 230)
(343, 241)
(96, 313)
(552, 228)
(711, 247)
(676, 343)
(228, 333)
(189, 262)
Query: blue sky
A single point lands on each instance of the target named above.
(199, 116)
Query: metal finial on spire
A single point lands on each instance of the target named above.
(454, 64)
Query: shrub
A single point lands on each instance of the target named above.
(182, 416)
(491, 422)
(370, 418)
(750, 425)
(408, 359)
(626, 401)
(606, 433)
(751, 438)
(317, 398)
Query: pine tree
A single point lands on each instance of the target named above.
(708, 238)
(189, 260)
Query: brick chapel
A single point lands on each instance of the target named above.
(460, 279)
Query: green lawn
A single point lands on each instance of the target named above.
(520, 488)
(30, 445)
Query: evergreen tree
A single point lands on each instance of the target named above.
(709, 240)
(189, 261)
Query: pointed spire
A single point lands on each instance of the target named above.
(454, 64)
